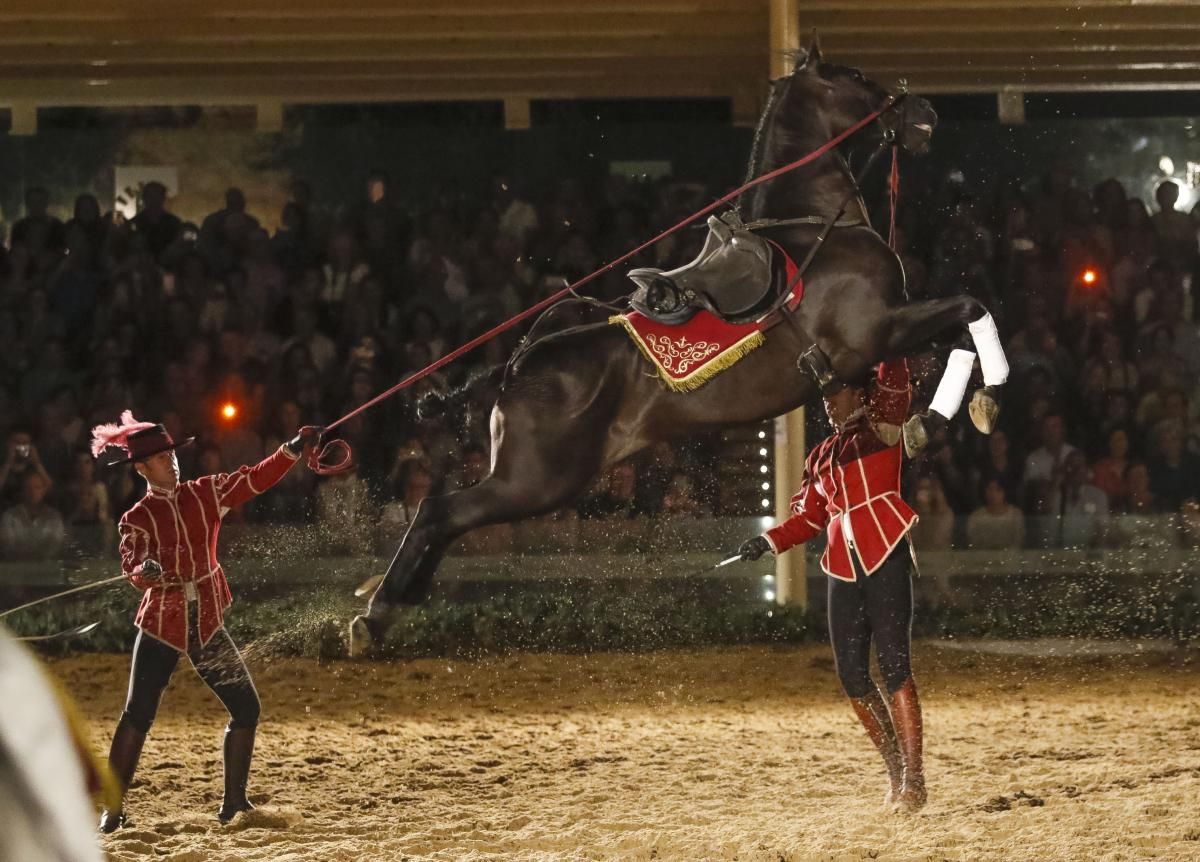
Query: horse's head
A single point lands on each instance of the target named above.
(843, 96)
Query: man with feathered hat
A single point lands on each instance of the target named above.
(168, 548)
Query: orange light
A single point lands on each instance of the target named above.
(229, 410)
(1089, 276)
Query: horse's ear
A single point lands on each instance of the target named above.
(812, 57)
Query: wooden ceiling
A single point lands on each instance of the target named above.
(139, 52)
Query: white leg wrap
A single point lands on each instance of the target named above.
(953, 385)
(992, 360)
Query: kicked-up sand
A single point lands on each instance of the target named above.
(717, 754)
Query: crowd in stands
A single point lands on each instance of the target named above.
(1099, 440)
(301, 323)
(239, 335)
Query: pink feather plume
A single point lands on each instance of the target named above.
(111, 434)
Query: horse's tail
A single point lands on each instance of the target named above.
(486, 381)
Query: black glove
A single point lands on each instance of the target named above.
(151, 570)
(309, 435)
(754, 548)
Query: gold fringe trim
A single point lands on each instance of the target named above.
(706, 371)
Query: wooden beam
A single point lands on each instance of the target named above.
(403, 69)
(302, 90)
(100, 10)
(157, 29)
(711, 48)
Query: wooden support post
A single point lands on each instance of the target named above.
(1010, 106)
(24, 118)
(791, 569)
(269, 117)
(516, 114)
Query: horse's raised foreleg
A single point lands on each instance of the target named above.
(915, 325)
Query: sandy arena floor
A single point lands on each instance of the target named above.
(733, 754)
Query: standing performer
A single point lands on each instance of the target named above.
(168, 546)
(851, 489)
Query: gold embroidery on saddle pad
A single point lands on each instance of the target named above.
(684, 360)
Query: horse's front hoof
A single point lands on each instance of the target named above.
(916, 435)
(363, 639)
(984, 409)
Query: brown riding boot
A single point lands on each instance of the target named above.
(123, 757)
(239, 749)
(906, 714)
(873, 714)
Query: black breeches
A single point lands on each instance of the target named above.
(218, 663)
(876, 607)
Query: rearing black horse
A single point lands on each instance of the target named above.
(582, 400)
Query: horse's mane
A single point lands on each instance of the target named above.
(760, 136)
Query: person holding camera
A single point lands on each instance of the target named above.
(20, 459)
(851, 492)
(168, 542)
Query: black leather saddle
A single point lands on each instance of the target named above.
(735, 277)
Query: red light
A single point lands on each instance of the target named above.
(1090, 277)
(229, 411)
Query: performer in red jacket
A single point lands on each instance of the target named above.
(168, 547)
(851, 491)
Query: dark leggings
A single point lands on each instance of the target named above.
(218, 663)
(874, 607)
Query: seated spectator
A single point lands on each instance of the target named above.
(998, 465)
(680, 498)
(1081, 507)
(1108, 473)
(476, 465)
(344, 512)
(413, 485)
(32, 529)
(997, 525)
(1139, 495)
(934, 530)
(1042, 463)
(1119, 373)
(1174, 472)
(86, 508)
(616, 496)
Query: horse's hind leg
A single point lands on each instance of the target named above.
(539, 466)
(915, 325)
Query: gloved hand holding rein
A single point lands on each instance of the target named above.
(309, 435)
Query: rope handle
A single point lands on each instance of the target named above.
(317, 459)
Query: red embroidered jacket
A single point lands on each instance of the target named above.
(179, 531)
(851, 486)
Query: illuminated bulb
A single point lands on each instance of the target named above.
(766, 486)
(763, 452)
(766, 504)
(769, 595)
(763, 468)
(762, 435)
(1089, 276)
(229, 411)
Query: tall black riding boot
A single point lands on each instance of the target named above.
(239, 749)
(123, 758)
